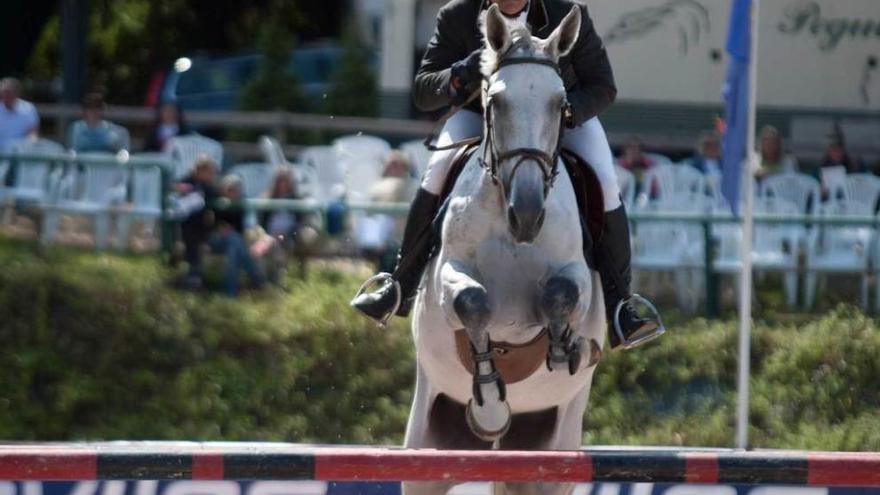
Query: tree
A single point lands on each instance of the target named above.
(129, 39)
(273, 87)
(353, 88)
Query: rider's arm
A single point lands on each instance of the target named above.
(433, 77)
(595, 89)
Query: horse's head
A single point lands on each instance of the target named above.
(524, 98)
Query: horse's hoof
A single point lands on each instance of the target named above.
(484, 425)
(556, 361)
(595, 353)
(574, 356)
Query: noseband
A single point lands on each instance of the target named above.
(492, 156)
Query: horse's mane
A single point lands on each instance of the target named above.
(521, 40)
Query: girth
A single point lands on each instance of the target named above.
(515, 362)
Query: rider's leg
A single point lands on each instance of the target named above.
(613, 247)
(417, 241)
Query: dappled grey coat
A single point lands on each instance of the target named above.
(586, 71)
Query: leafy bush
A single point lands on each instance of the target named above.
(97, 347)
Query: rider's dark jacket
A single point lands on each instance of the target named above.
(586, 71)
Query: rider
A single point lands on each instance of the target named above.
(448, 75)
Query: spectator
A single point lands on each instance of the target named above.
(18, 118)
(169, 122)
(281, 224)
(836, 163)
(197, 193)
(837, 156)
(774, 160)
(228, 238)
(707, 158)
(634, 159)
(92, 132)
(378, 234)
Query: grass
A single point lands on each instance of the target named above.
(98, 346)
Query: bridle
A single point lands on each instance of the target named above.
(492, 157)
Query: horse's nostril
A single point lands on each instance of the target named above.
(511, 219)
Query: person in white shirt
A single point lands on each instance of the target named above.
(18, 118)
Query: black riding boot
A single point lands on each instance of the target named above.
(613, 261)
(415, 251)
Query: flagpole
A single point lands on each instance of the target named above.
(745, 289)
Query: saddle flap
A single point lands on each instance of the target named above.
(588, 192)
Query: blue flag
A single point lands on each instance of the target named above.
(736, 96)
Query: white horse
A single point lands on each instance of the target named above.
(509, 294)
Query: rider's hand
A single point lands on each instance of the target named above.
(465, 78)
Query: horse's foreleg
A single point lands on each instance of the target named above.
(561, 304)
(488, 413)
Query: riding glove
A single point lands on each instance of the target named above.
(465, 77)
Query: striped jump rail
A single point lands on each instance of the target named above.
(232, 461)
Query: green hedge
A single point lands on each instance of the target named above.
(99, 347)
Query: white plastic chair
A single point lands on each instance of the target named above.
(272, 151)
(673, 247)
(418, 156)
(256, 178)
(801, 190)
(184, 150)
(626, 181)
(798, 189)
(861, 188)
(658, 159)
(676, 184)
(34, 179)
(103, 186)
(330, 175)
(146, 202)
(305, 176)
(841, 249)
(774, 246)
(362, 159)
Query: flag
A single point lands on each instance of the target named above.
(736, 96)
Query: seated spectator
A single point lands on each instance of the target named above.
(378, 234)
(281, 224)
(707, 157)
(195, 194)
(774, 160)
(634, 159)
(169, 122)
(18, 118)
(836, 164)
(837, 156)
(92, 132)
(228, 238)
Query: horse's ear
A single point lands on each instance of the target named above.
(497, 35)
(563, 38)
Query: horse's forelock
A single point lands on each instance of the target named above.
(521, 39)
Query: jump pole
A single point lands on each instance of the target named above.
(229, 461)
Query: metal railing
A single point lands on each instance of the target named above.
(705, 220)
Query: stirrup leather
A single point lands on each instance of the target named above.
(386, 279)
(643, 339)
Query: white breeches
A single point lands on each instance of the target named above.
(587, 140)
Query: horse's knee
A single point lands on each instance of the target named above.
(472, 307)
(560, 297)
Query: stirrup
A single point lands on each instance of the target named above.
(388, 280)
(643, 339)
